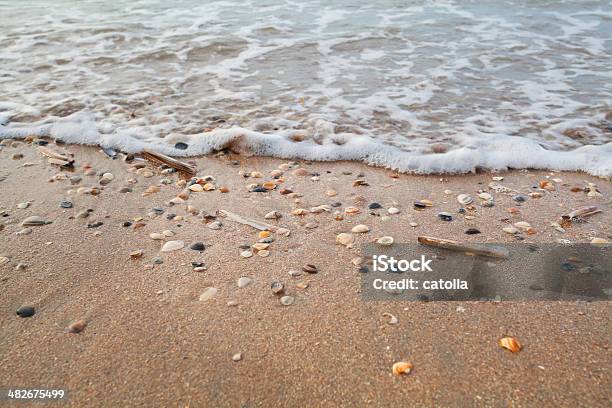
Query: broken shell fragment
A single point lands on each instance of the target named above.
(392, 318)
(402, 367)
(464, 199)
(510, 343)
(385, 241)
(345, 239)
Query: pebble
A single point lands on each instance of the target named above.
(244, 281)
(345, 239)
(464, 199)
(237, 357)
(472, 231)
(510, 230)
(172, 246)
(299, 211)
(309, 268)
(402, 367)
(25, 311)
(181, 146)
(393, 210)
(259, 189)
(444, 216)
(77, 327)
(352, 210)
(197, 246)
(519, 198)
(331, 193)
(108, 176)
(23, 206)
(95, 224)
(301, 172)
(283, 231)
(263, 253)
(125, 190)
(246, 254)
(208, 294)
(287, 300)
(224, 189)
(385, 241)
(34, 220)
(168, 233)
(25, 231)
(413, 224)
(422, 204)
(361, 228)
(136, 254)
(157, 236)
(374, 206)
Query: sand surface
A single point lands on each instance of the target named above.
(151, 342)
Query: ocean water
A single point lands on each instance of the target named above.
(419, 86)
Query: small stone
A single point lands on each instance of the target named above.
(199, 269)
(422, 204)
(287, 300)
(360, 229)
(519, 198)
(24, 231)
(301, 172)
(283, 231)
(197, 246)
(263, 253)
(224, 189)
(181, 146)
(157, 236)
(374, 206)
(393, 210)
(444, 216)
(299, 211)
(25, 311)
(385, 241)
(497, 178)
(351, 210)
(413, 224)
(215, 225)
(208, 294)
(510, 230)
(331, 193)
(246, 254)
(168, 233)
(172, 246)
(95, 224)
(259, 190)
(77, 327)
(472, 231)
(108, 176)
(345, 239)
(17, 156)
(237, 357)
(302, 285)
(196, 187)
(244, 281)
(448, 192)
(401, 368)
(23, 206)
(309, 268)
(65, 204)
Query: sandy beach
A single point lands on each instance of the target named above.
(151, 339)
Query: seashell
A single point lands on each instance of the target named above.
(582, 212)
(464, 199)
(497, 178)
(510, 230)
(151, 190)
(302, 285)
(276, 173)
(299, 211)
(23, 206)
(393, 210)
(136, 254)
(108, 176)
(392, 318)
(208, 294)
(386, 241)
(402, 367)
(351, 210)
(287, 300)
(34, 220)
(448, 192)
(522, 225)
(547, 185)
(361, 228)
(331, 193)
(184, 194)
(268, 185)
(272, 215)
(301, 172)
(260, 246)
(256, 174)
(535, 194)
(4, 260)
(600, 242)
(283, 231)
(577, 189)
(345, 239)
(209, 187)
(177, 200)
(309, 268)
(277, 287)
(485, 196)
(172, 246)
(413, 224)
(224, 189)
(168, 233)
(513, 210)
(244, 281)
(246, 254)
(198, 188)
(157, 236)
(77, 327)
(264, 234)
(510, 343)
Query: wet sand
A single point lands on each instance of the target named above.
(151, 342)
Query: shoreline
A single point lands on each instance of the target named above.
(328, 347)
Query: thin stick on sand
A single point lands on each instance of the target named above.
(253, 223)
(476, 249)
(169, 161)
